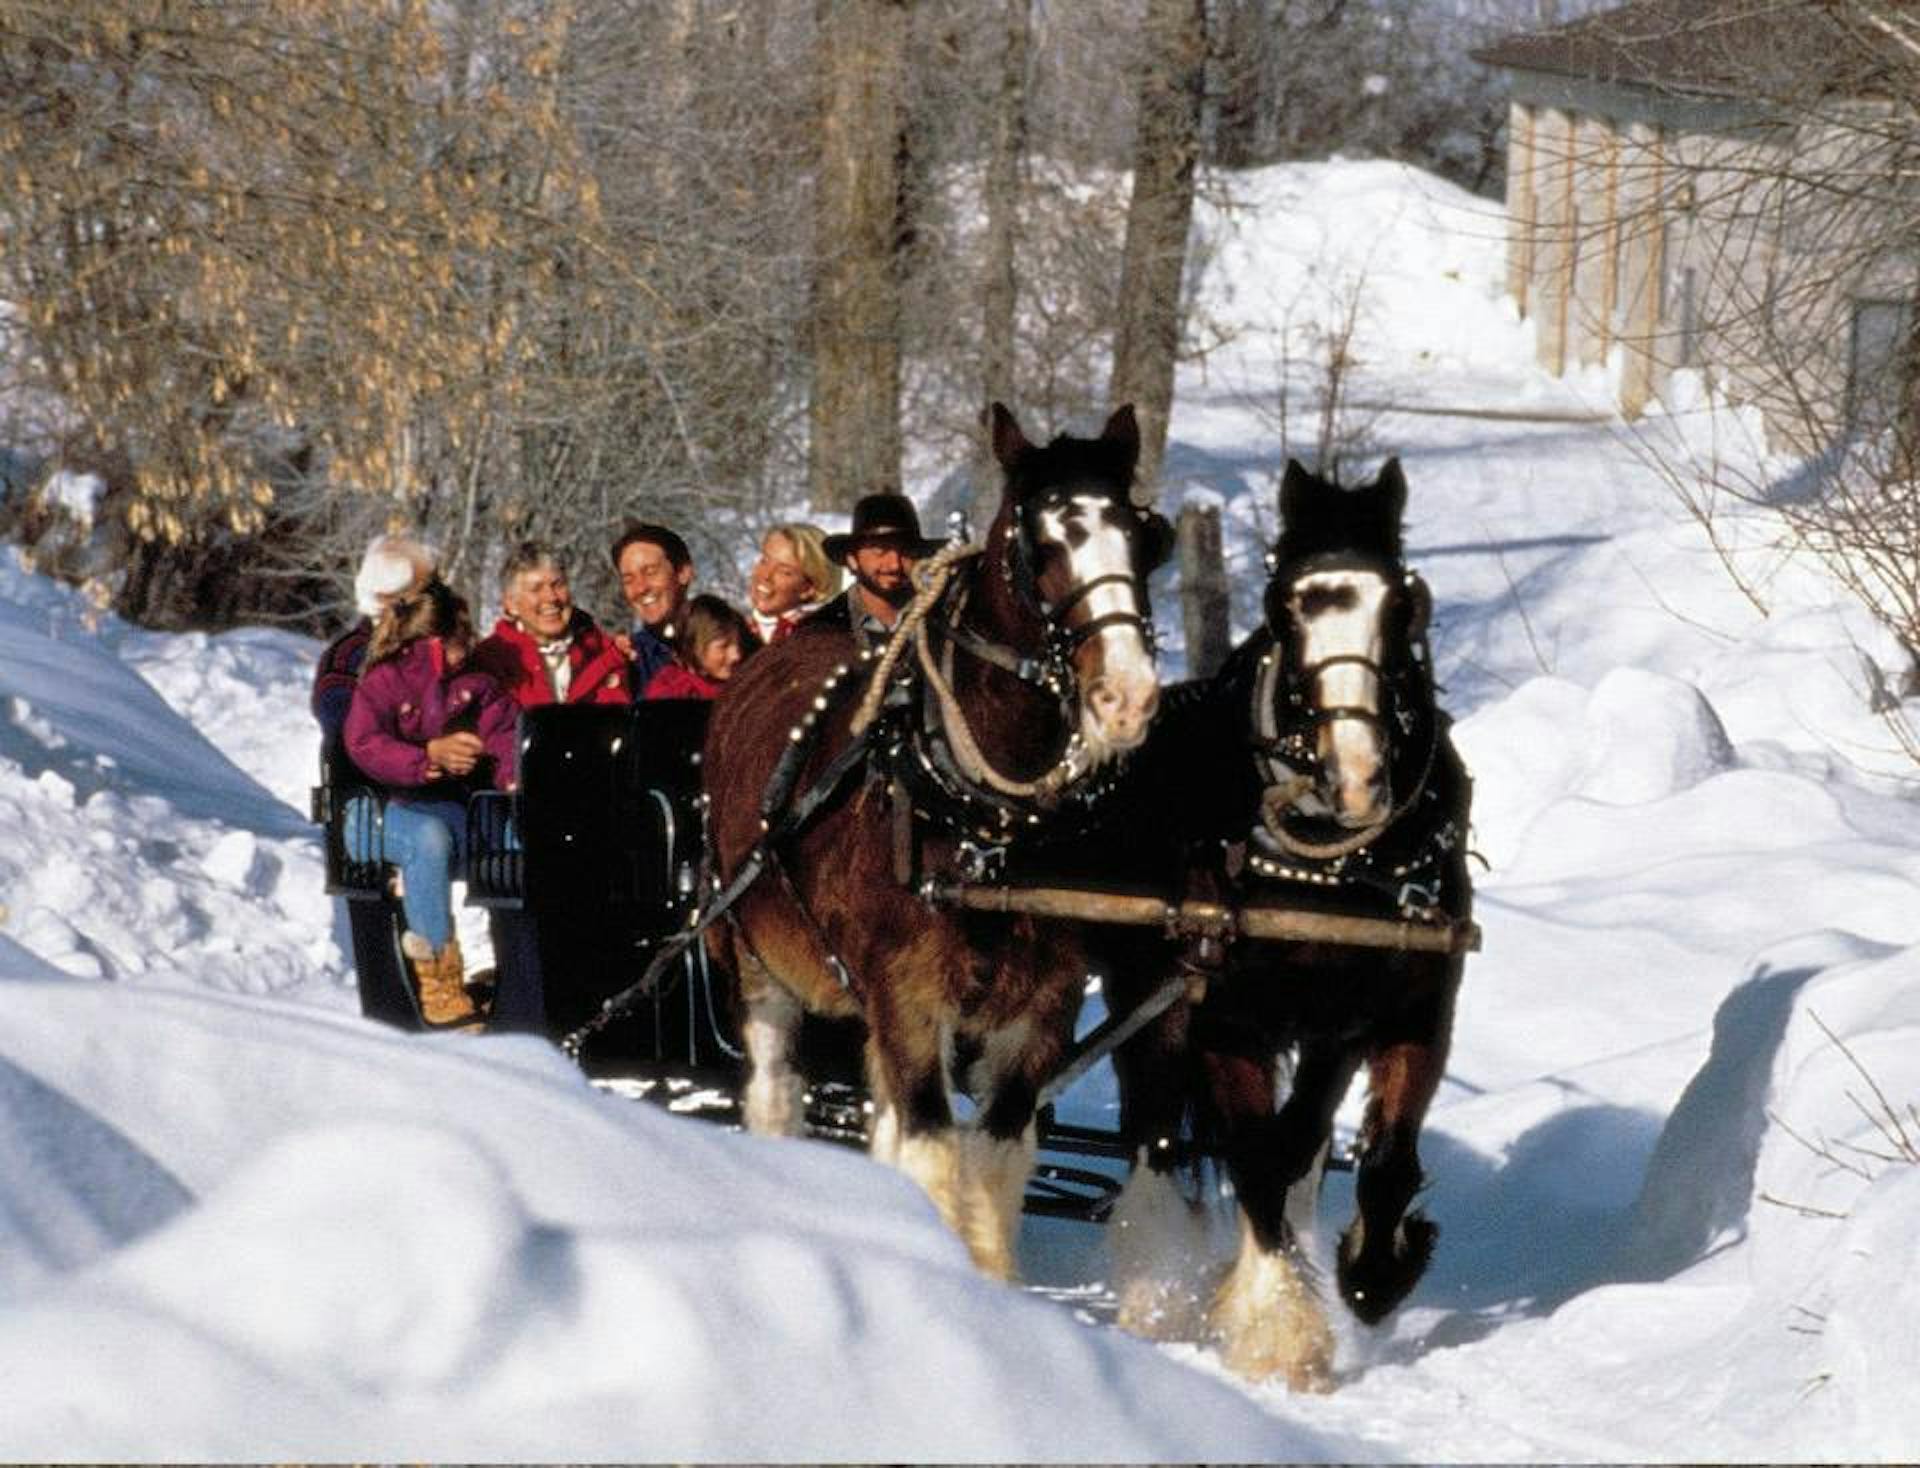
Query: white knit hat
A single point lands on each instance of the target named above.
(392, 566)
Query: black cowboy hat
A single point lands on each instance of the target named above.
(884, 518)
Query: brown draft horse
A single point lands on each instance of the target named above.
(1314, 772)
(1032, 669)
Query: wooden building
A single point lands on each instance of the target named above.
(1721, 185)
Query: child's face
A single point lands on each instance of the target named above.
(719, 656)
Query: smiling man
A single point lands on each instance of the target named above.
(879, 548)
(656, 573)
(545, 649)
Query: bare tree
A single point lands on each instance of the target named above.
(1006, 160)
(287, 274)
(1166, 156)
(854, 410)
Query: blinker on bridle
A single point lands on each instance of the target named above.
(1295, 683)
(1065, 637)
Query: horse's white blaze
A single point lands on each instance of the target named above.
(1267, 1321)
(1118, 704)
(1339, 616)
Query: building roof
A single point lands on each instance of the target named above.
(1763, 49)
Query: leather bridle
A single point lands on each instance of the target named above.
(1286, 718)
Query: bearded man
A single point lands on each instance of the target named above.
(879, 549)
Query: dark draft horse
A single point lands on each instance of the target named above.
(1314, 772)
(1036, 669)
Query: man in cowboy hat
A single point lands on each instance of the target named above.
(879, 549)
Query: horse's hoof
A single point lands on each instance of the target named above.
(1304, 1360)
(1267, 1321)
(1161, 1310)
(1374, 1288)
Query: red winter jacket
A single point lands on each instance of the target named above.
(410, 698)
(513, 657)
(677, 680)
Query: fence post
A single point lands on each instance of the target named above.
(1203, 590)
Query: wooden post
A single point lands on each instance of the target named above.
(1204, 608)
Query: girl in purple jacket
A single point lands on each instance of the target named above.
(429, 733)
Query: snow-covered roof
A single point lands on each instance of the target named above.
(1716, 48)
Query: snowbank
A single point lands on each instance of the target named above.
(257, 1230)
(1671, 1160)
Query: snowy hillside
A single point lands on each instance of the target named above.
(1673, 1164)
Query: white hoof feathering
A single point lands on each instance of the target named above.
(883, 1137)
(1163, 1267)
(774, 1104)
(933, 1161)
(1267, 1321)
(993, 1181)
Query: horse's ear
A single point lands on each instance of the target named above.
(1295, 486)
(1009, 443)
(1123, 432)
(1393, 484)
(1157, 538)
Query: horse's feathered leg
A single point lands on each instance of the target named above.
(1386, 1249)
(907, 1075)
(1163, 1264)
(774, 1104)
(1162, 1268)
(1269, 1155)
(997, 1152)
(1268, 1319)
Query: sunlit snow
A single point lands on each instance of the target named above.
(1673, 1162)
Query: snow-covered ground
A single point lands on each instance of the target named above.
(236, 1221)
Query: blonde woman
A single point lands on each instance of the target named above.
(792, 577)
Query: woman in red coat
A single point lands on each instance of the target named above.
(546, 650)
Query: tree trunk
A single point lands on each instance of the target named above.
(999, 294)
(1005, 164)
(854, 446)
(1245, 28)
(1166, 148)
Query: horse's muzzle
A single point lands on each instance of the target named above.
(1120, 709)
(1353, 768)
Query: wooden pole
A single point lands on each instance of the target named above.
(1204, 610)
(1203, 919)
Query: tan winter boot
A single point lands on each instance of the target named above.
(444, 1001)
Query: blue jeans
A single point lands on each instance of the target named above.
(424, 839)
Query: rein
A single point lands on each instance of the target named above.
(783, 816)
(933, 579)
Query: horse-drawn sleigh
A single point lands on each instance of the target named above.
(933, 846)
